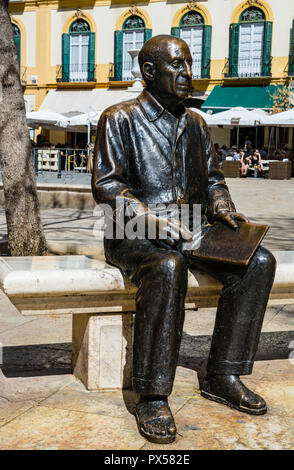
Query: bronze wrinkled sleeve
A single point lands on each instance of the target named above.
(110, 169)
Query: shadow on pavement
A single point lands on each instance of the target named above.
(55, 359)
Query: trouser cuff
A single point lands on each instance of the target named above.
(230, 368)
(151, 387)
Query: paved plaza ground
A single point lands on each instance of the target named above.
(42, 406)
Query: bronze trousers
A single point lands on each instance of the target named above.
(161, 278)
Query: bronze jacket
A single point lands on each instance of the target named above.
(147, 156)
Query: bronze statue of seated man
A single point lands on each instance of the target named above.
(153, 150)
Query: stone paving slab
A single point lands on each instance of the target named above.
(42, 406)
(73, 418)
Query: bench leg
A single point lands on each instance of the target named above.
(102, 350)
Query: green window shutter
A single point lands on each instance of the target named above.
(234, 50)
(291, 57)
(17, 45)
(206, 51)
(65, 57)
(176, 31)
(91, 59)
(267, 47)
(147, 34)
(118, 54)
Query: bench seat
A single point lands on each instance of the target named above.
(102, 303)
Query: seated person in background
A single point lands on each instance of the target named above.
(247, 157)
(230, 153)
(224, 152)
(236, 155)
(287, 153)
(255, 162)
(263, 153)
(244, 163)
(248, 151)
(280, 153)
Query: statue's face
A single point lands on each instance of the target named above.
(173, 74)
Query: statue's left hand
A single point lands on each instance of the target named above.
(229, 218)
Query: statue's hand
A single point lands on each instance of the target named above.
(170, 230)
(229, 218)
(180, 229)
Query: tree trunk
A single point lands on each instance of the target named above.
(24, 227)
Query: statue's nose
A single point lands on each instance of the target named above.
(187, 70)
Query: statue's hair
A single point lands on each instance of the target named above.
(152, 50)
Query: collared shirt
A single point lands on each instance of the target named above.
(145, 155)
(171, 129)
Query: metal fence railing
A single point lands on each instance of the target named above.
(62, 160)
(76, 73)
(250, 66)
(196, 68)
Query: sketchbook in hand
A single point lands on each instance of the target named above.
(223, 244)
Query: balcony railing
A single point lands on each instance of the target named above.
(128, 76)
(76, 73)
(126, 71)
(250, 66)
(196, 69)
(247, 67)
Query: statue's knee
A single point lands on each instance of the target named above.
(172, 263)
(266, 259)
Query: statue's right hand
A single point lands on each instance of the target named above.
(169, 230)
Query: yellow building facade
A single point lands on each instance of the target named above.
(83, 44)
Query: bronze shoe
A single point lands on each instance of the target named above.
(230, 390)
(155, 421)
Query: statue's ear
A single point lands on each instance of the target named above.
(148, 70)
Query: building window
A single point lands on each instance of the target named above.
(198, 37)
(191, 30)
(78, 53)
(132, 36)
(250, 45)
(17, 39)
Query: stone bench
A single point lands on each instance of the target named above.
(102, 304)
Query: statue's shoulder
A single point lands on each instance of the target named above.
(121, 110)
(196, 117)
(193, 113)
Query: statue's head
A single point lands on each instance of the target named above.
(165, 63)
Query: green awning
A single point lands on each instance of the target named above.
(250, 97)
